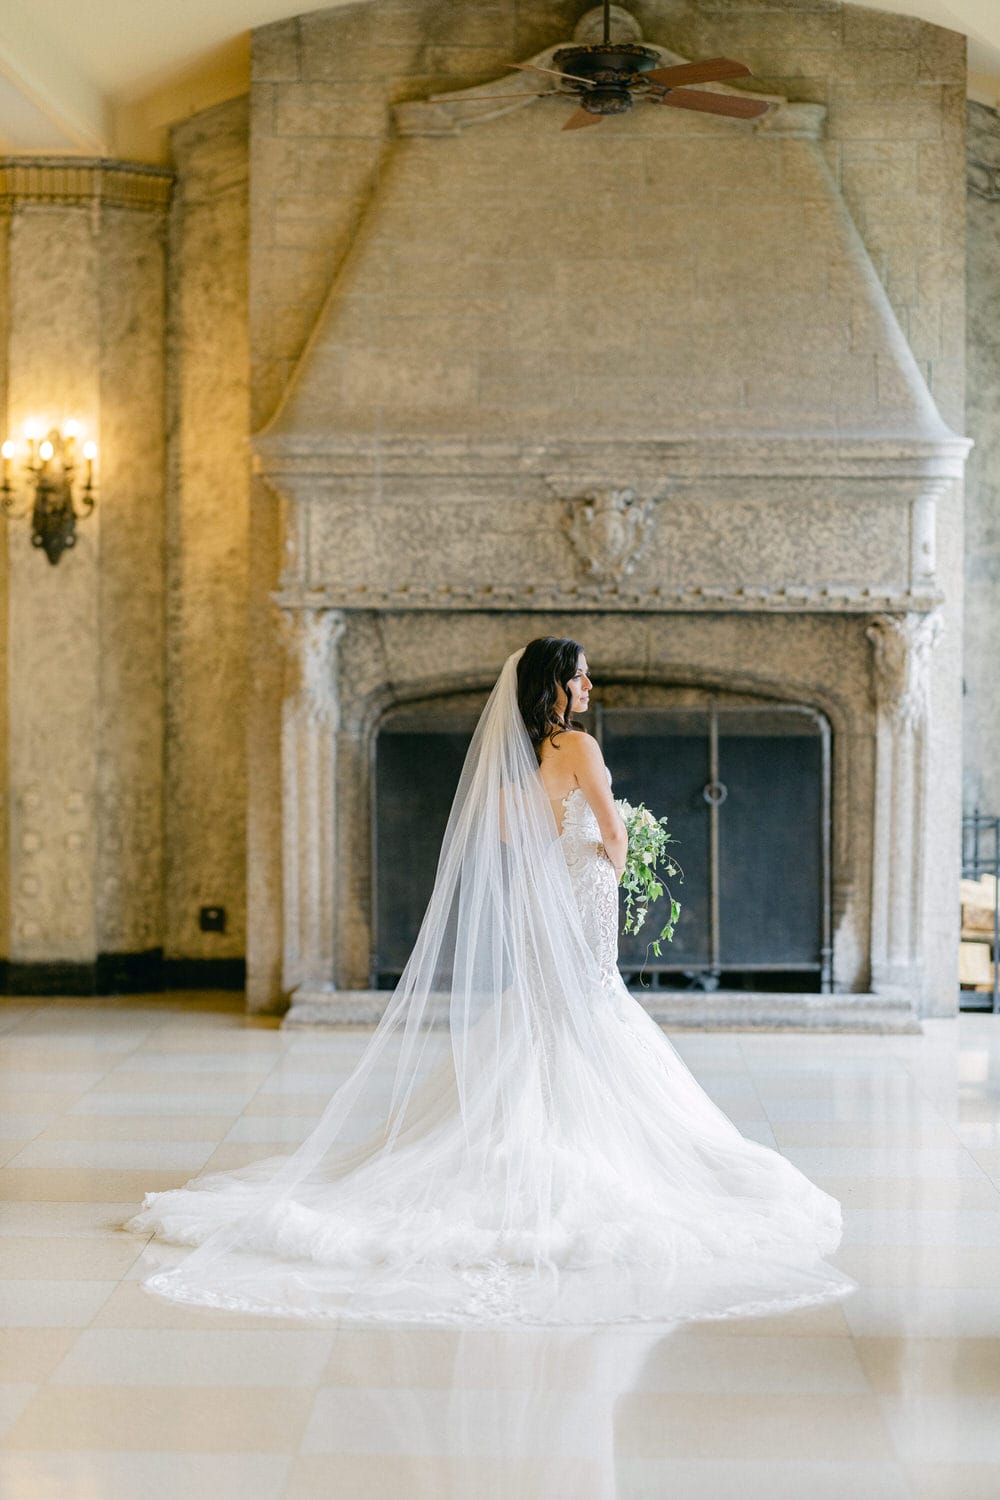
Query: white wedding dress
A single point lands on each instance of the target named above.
(548, 1158)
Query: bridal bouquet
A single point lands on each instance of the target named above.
(647, 843)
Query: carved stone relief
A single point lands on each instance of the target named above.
(609, 529)
(902, 647)
(901, 660)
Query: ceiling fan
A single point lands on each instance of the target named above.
(606, 77)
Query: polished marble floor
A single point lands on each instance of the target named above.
(108, 1393)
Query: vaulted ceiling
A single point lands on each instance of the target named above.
(109, 77)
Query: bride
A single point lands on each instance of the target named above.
(518, 1142)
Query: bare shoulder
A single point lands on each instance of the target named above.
(583, 748)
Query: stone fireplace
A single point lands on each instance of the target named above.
(642, 386)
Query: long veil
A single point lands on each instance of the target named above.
(514, 1141)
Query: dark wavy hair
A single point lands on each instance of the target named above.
(546, 664)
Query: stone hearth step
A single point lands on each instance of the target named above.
(726, 1010)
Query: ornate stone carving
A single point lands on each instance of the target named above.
(983, 178)
(93, 181)
(309, 723)
(902, 647)
(311, 637)
(609, 529)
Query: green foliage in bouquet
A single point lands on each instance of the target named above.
(643, 885)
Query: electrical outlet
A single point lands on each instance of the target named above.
(212, 919)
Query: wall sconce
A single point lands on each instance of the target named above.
(60, 499)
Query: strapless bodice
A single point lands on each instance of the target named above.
(592, 874)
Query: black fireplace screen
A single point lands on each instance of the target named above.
(746, 789)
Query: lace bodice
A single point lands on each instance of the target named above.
(593, 877)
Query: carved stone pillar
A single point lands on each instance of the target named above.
(309, 723)
(901, 647)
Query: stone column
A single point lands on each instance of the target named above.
(83, 711)
(309, 722)
(901, 652)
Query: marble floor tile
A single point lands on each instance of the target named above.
(23, 1126)
(112, 1393)
(59, 1258)
(965, 1227)
(86, 1475)
(954, 1481)
(694, 1362)
(752, 1428)
(33, 1353)
(165, 1418)
(62, 1220)
(919, 1265)
(914, 1192)
(361, 1476)
(216, 1357)
(852, 1109)
(253, 1129)
(220, 1062)
(14, 1397)
(204, 1102)
(229, 1155)
(755, 1130)
(639, 1479)
(872, 1134)
(924, 1312)
(77, 1127)
(135, 1080)
(130, 1306)
(805, 1322)
(935, 1428)
(884, 1161)
(52, 1304)
(179, 1156)
(49, 1102)
(307, 1107)
(931, 1367)
(84, 1184)
(461, 1421)
(16, 1080)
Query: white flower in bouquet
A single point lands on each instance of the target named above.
(647, 842)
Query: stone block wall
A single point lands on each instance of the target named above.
(322, 140)
(206, 557)
(123, 670)
(323, 85)
(982, 515)
(83, 291)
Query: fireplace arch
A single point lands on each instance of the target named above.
(744, 778)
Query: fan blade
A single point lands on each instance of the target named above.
(711, 71)
(553, 73)
(715, 104)
(581, 117)
(489, 98)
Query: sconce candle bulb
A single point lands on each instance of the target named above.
(59, 500)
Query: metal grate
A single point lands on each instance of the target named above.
(981, 856)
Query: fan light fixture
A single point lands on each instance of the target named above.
(608, 76)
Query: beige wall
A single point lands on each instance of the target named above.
(982, 615)
(84, 286)
(124, 667)
(206, 556)
(122, 652)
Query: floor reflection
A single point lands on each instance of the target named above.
(526, 1414)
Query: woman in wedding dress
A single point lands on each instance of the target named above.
(518, 1141)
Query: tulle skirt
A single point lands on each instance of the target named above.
(594, 1184)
